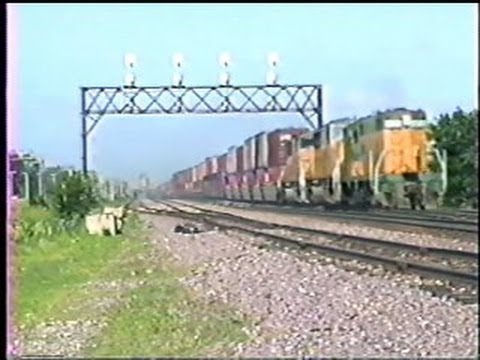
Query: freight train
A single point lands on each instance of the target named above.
(381, 159)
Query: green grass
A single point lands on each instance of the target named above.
(160, 318)
(163, 319)
(52, 267)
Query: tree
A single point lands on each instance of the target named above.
(76, 195)
(457, 134)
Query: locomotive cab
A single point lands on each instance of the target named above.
(387, 160)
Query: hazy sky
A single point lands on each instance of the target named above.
(370, 56)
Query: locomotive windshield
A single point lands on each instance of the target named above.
(405, 123)
(401, 119)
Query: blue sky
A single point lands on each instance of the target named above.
(370, 57)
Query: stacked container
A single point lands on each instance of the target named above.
(232, 160)
(212, 165)
(179, 180)
(261, 146)
(195, 174)
(240, 163)
(208, 166)
(201, 170)
(249, 154)
(252, 153)
(189, 175)
(214, 161)
(245, 157)
(186, 177)
(222, 163)
(279, 145)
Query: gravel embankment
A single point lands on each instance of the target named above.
(61, 338)
(306, 307)
(342, 227)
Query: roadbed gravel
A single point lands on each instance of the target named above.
(308, 308)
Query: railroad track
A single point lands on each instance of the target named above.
(471, 215)
(453, 266)
(434, 217)
(427, 221)
(449, 212)
(443, 223)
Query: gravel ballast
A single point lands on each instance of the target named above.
(309, 308)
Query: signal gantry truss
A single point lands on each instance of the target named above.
(99, 101)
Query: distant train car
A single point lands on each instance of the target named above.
(214, 181)
(231, 182)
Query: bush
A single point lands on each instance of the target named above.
(35, 223)
(75, 196)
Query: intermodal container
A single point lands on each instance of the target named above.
(214, 160)
(202, 170)
(240, 162)
(222, 163)
(232, 160)
(194, 174)
(261, 153)
(208, 162)
(279, 146)
(249, 154)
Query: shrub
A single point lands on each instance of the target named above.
(34, 223)
(75, 196)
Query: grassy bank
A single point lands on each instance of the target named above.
(55, 261)
(159, 317)
(164, 319)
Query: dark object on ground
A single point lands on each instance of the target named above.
(187, 229)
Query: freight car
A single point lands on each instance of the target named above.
(377, 159)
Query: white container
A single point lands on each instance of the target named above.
(246, 158)
(261, 150)
(214, 161)
(232, 160)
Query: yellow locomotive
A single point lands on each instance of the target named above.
(378, 159)
(299, 169)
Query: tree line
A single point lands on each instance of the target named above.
(457, 133)
(69, 192)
